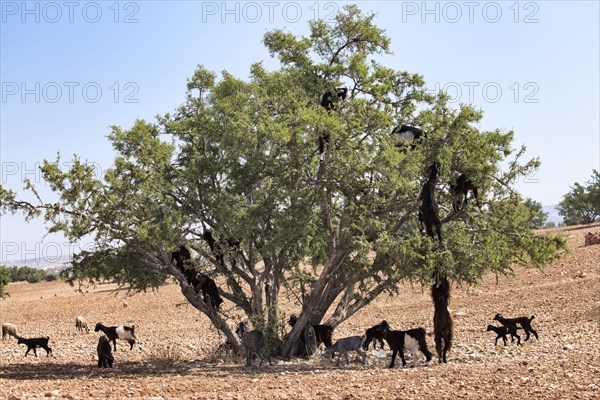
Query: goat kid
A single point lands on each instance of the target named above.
(413, 340)
(105, 357)
(373, 334)
(344, 345)
(119, 332)
(34, 343)
(502, 331)
(523, 321)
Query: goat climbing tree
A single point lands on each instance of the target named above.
(332, 230)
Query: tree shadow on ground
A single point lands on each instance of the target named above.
(151, 368)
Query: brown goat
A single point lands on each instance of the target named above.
(461, 189)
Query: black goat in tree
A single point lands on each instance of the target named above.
(443, 325)
(428, 214)
(461, 189)
(220, 247)
(328, 102)
(408, 134)
(200, 282)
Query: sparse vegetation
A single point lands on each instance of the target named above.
(24, 274)
(582, 204)
(537, 216)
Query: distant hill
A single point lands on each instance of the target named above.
(46, 264)
(553, 214)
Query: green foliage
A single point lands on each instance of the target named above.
(4, 280)
(22, 274)
(25, 274)
(537, 215)
(582, 204)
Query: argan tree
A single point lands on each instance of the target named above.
(582, 204)
(235, 174)
(537, 215)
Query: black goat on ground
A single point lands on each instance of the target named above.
(408, 134)
(443, 325)
(328, 102)
(428, 214)
(502, 331)
(461, 189)
(105, 357)
(373, 334)
(413, 340)
(118, 332)
(323, 333)
(200, 282)
(523, 321)
(34, 343)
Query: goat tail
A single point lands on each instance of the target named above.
(532, 317)
(450, 334)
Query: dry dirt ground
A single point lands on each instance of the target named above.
(178, 358)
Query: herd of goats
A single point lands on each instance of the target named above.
(255, 344)
(254, 341)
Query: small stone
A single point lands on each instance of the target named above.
(568, 347)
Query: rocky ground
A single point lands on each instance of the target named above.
(179, 358)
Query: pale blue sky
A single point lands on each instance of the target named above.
(531, 66)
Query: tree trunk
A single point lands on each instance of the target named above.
(196, 301)
(345, 308)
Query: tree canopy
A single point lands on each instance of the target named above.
(537, 215)
(239, 160)
(582, 204)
